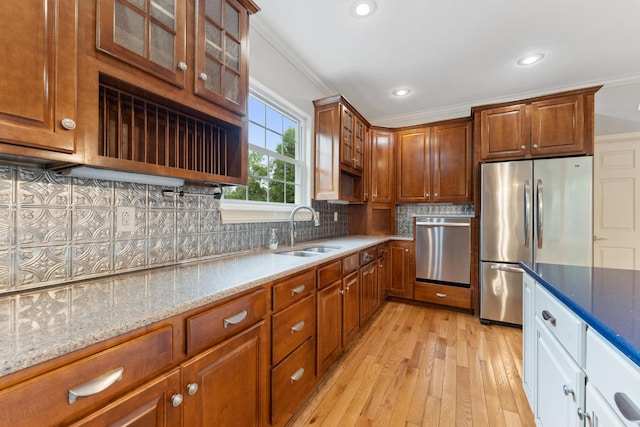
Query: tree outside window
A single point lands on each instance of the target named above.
(273, 161)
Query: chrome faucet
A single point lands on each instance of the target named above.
(292, 223)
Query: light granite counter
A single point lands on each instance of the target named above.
(41, 325)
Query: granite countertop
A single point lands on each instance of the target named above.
(40, 325)
(607, 299)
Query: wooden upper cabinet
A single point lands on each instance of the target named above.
(452, 168)
(552, 125)
(152, 36)
(504, 132)
(414, 165)
(148, 35)
(221, 53)
(38, 75)
(340, 150)
(434, 163)
(359, 142)
(382, 166)
(557, 126)
(347, 145)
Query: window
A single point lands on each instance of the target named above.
(278, 161)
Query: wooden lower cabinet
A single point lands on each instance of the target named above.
(329, 311)
(151, 405)
(227, 384)
(291, 383)
(452, 296)
(350, 307)
(383, 272)
(369, 299)
(402, 277)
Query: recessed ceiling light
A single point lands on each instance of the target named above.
(530, 59)
(363, 8)
(401, 92)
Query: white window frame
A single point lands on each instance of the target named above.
(242, 211)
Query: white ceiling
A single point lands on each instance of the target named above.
(454, 54)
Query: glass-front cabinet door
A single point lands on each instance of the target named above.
(221, 57)
(148, 34)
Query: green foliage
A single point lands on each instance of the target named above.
(269, 179)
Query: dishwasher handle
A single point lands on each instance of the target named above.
(444, 224)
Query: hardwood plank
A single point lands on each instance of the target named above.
(424, 366)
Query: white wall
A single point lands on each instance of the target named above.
(272, 69)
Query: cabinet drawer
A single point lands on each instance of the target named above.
(291, 381)
(292, 326)
(293, 289)
(562, 323)
(214, 325)
(613, 374)
(368, 255)
(441, 294)
(49, 395)
(350, 264)
(329, 273)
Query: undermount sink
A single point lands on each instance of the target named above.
(320, 249)
(298, 253)
(310, 251)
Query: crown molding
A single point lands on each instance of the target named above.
(464, 109)
(287, 52)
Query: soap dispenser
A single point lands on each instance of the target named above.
(273, 239)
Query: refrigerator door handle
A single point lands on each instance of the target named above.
(506, 268)
(540, 222)
(527, 212)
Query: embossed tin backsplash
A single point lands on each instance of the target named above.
(56, 229)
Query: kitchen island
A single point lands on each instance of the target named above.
(581, 344)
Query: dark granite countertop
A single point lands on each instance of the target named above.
(607, 299)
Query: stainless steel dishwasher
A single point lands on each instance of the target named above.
(443, 250)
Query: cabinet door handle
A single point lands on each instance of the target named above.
(522, 147)
(182, 66)
(297, 375)
(341, 291)
(568, 391)
(582, 414)
(627, 408)
(192, 388)
(297, 290)
(176, 400)
(439, 295)
(235, 319)
(203, 77)
(68, 124)
(297, 327)
(548, 317)
(96, 385)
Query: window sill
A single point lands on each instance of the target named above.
(242, 212)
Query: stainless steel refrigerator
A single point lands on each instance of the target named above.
(536, 211)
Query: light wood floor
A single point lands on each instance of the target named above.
(424, 366)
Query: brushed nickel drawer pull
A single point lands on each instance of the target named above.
(297, 327)
(549, 317)
(96, 385)
(297, 290)
(627, 408)
(297, 375)
(439, 295)
(235, 319)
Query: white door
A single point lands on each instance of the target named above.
(616, 201)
